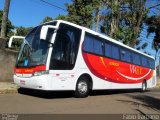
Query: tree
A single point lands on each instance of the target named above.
(61, 17)
(153, 23)
(138, 14)
(81, 12)
(97, 5)
(23, 31)
(141, 47)
(20, 31)
(46, 19)
(5, 18)
(120, 19)
(123, 20)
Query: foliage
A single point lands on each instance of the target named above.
(81, 12)
(61, 17)
(20, 31)
(142, 47)
(153, 23)
(16, 44)
(23, 31)
(123, 20)
(46, 19)
(120, 19)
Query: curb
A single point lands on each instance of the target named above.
(8, 91)
(8, 88)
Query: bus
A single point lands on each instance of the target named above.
(63, 56)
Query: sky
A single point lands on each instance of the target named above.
(29, 13)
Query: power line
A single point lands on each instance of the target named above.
(154, 6)
(57, 3)
(56, 6)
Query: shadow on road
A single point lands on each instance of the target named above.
(150, 101)
(46, 94)
(112, 92)
(144, 100)
(68, 94)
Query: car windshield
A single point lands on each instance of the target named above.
(34, 51)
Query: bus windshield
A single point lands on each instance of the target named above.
(34, 51)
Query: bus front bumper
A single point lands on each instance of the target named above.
(34, 82)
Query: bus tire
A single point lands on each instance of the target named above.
(82, 87)
(144, 86)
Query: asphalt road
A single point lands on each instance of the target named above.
(99, 102)
(111, 102)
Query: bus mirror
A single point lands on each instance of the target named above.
(12, 38)
(44, 31)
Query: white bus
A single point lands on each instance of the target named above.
(60, 55)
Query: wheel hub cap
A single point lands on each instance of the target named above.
(82, 87)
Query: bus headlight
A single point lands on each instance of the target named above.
(38, 73)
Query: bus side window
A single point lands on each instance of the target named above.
(88, 44)
(93, 44)
(107, 50)
(98, 47)
(115, 52)
(136, 59)
(144, 61)
(152, 63)
(125, 55)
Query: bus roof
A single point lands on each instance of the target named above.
(101, 35)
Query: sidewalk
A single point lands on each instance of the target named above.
(8, 87)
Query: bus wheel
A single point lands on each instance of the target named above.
(82, 87)
(144, 86)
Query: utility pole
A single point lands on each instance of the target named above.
(4, 24)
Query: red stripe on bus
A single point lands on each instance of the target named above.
(29, 70)
(116, 71)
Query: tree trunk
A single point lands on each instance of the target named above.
(139, 17)
(114, 22)
(5, 18)
(97, 19)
